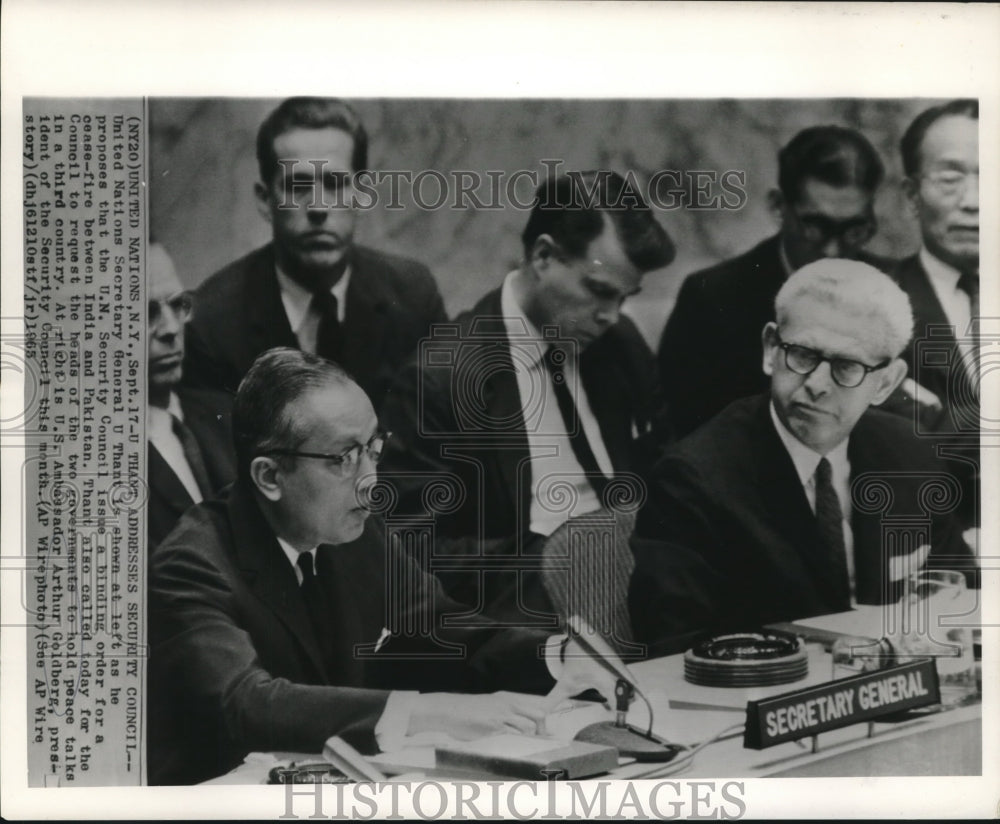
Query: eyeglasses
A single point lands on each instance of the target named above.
(845, 372)
(348, 461)
(181, 305)
(820, 229)
(950, 182)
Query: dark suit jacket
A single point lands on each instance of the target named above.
(728, 540)
(208, 414)
(933, 354)
(391, 304)
(465, 399)
(235, 663)
(710, 352)
(934, 361)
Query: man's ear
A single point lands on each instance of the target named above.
(911, 194)
(888, 379)
(263, 198)
(776, 206)
(543, 252)
(769, 343)
(264, 472)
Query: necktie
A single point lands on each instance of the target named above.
(830, 518)
(192, 454)
(312, 595)
(969, 283)
(329, 337)
(555, 360)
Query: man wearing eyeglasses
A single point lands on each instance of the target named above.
(940, 152)
(282, 614)
(190, 442)
(776, 509)
(827, 180)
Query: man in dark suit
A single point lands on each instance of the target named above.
(312, 287)
(282, 615)
(804, 501)
(190, 440)
(709, 353)
(484, 411)
(940, 153)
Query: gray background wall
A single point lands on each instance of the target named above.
(203, 168)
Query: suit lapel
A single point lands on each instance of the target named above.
(784, 495)
(364, 318)
(165, 483)
(266, 322)
(926, 306)
(932, 327)
(267, 571)
(609, 396)
(213, 433)
(871, 560)
(502, 400)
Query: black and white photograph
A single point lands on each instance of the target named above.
(504, 449)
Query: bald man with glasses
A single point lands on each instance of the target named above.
(283, 613)
(776, 509)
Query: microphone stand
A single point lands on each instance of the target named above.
(630, 741)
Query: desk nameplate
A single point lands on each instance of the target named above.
(840, 703)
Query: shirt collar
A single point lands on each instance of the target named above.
(297, 299)
(941, 274)
(292, 554)
(804, 459)
(520, 330)
(159, 420)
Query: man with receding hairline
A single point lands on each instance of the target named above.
(190, 442)
(282, 614)
(761, 515)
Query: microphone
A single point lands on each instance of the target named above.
(630, 741)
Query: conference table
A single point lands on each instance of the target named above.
(709, 720)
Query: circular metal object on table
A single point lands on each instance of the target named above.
(760, 658)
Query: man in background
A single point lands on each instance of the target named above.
(189, 434)
(776, 509)
(940, 153)
(538, 397)
(710, 351)
(312, 287)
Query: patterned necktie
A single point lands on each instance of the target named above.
(193, 456)
(555, 361)
(329, 337)
(830, 518)
(969, 283)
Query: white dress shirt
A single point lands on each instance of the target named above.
(806, 461)
(302, 314)
(160, 432)
(553, 462)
